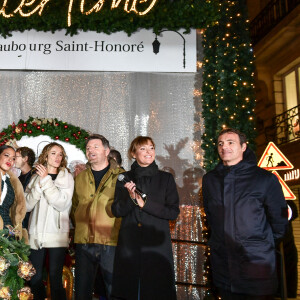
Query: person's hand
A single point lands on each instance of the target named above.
(130, 186)
(133, 195)
(139, 200)
(41, 171)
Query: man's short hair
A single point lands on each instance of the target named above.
(116, 155)
(100, 137)
(25, 151)
(242, 136)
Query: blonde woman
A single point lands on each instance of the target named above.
(49, 197)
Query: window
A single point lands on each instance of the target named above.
(291, 81)
(291, 89)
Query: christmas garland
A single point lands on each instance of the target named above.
(14, 266)
(54, 128)
(228, 97)
(106, 17)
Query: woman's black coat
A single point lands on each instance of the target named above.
(247, 213)
(144, 258)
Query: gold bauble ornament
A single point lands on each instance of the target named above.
(26, 270)
(5, 293)
(4, 265)
(25, 294)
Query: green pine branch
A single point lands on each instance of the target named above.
(228, 78)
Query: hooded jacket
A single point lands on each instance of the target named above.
(50, 202)
(247, 214)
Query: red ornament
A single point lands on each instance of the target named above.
(65, 126)
(56, 124)
(38, 127)
(34, 124)
(43, 129)
(57, 137)
(25, 130)
(85, 138)
(79, 132)
(74, 134)
(67, 139)
(29, 131)
(76, 138)
(25, 124)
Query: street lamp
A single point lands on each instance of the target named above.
(156, 44)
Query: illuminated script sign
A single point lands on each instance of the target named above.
(29, 8)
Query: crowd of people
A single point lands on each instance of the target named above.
(122, 222)
(116, 230)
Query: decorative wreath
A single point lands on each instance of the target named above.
(54, 128)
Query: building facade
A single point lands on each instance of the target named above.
(275, 33)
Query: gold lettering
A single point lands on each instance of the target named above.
(126, 6)
(24, 3)
(69, 18)
(97, 7)
(2, 11)
(26, 7)
(148, 9)
(115, 4)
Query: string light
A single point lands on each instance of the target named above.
(96, 8)
(231, 80)
(26, 6)
(2, 11)
(38, 8)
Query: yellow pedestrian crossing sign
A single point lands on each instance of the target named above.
(273, 159)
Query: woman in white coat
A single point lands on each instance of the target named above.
(49, 197)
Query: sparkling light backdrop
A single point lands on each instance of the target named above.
(122, 105)
(118, 105)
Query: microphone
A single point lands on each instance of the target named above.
(122, 178)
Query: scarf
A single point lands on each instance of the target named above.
(143, 175)
(144, 171)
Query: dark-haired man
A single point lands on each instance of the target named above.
(116, 155)
(96, 229)
(247, 214)
(25, 158)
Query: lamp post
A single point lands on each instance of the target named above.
(156, 44)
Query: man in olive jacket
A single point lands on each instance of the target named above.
(247, 214)
(96, 229)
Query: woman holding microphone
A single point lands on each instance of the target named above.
(143, 266)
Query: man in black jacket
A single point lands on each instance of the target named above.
(25, 158)
(247, 214)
